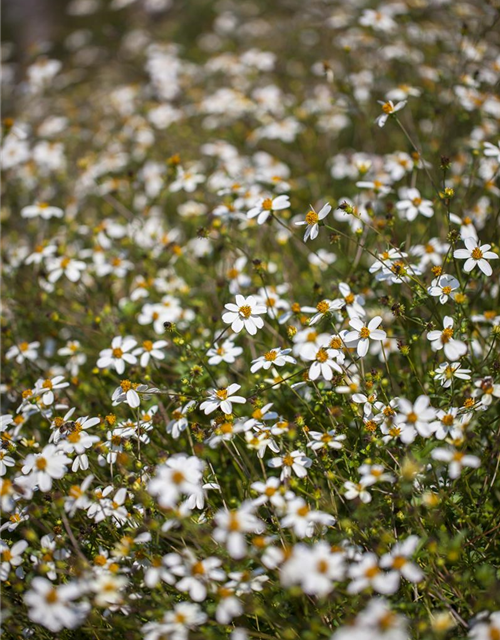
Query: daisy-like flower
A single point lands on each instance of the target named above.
(389, 108)
(42, 210)
(275, 357)
(295, 461)
(129, 392)
(266, 206)
(486, 630)
(367, 573)
(362, 334)
(149, 350)
(118, 354)
(302, 518)
(329, 439)
(353, 302)
(476, 255)
(492, 150)
(43, 467)
(179, 421)
(244, 314)
(373, 473)
(323, 308)
(23, 351)
(398, 560)
(223, 399)
(53, 606)
(227, 352)
(456, 460)
(444, 286)
(5, 462)
(326, 361)
(453, 349)
(11, 557)
(232, 526)
(324, 566)
(63, 265)
(312, 220)
(419, 415)
(269, 492)
(46, 388)
(411, 204)
(449, 370)
(180, 474)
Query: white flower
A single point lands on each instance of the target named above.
(149, 350)
(23, 351)
(52, 606)
(180, 474)
(244, 314)
(223, 399)
(232, 526)
(352, 301)
(179, 421)
(227, 352)
(312, 220)
(373, 473)
(107, 588)
(397, 560)
(302, 518)
(275, 357)
(492, 150)
(117, 355)
(328, 439)
(453, 349)
(323, 308)
(186, 180)
(443, 287)
(361, 334)
(476, 255)
(71, 268)
(11, 557)
(419, 415)
(269, 492)
(367, 573)
(265, 206)
(449, 370)
(326, 360)
(46, 388)
(45, 466)
(388, 109)
(455, 459)
(42, 210)
(296, 461)
(411, 204)
(486, 630)
(314, 568)
(129, 392)
(355, 490)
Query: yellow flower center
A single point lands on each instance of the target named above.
(126, 385)
(221, 394)
(477, 254)
(312, 217)
(447, 335)
(412, 418)
(47, 384)
(364, 333)
(387, 108)
(447, 290)
(117, 353)
(147, 345)
(322, 355)
(41, 464)
(245, 310)
(323, 306)
(178, 477)
(51, 596)
(267, 204)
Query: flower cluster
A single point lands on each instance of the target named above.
(251, 322)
